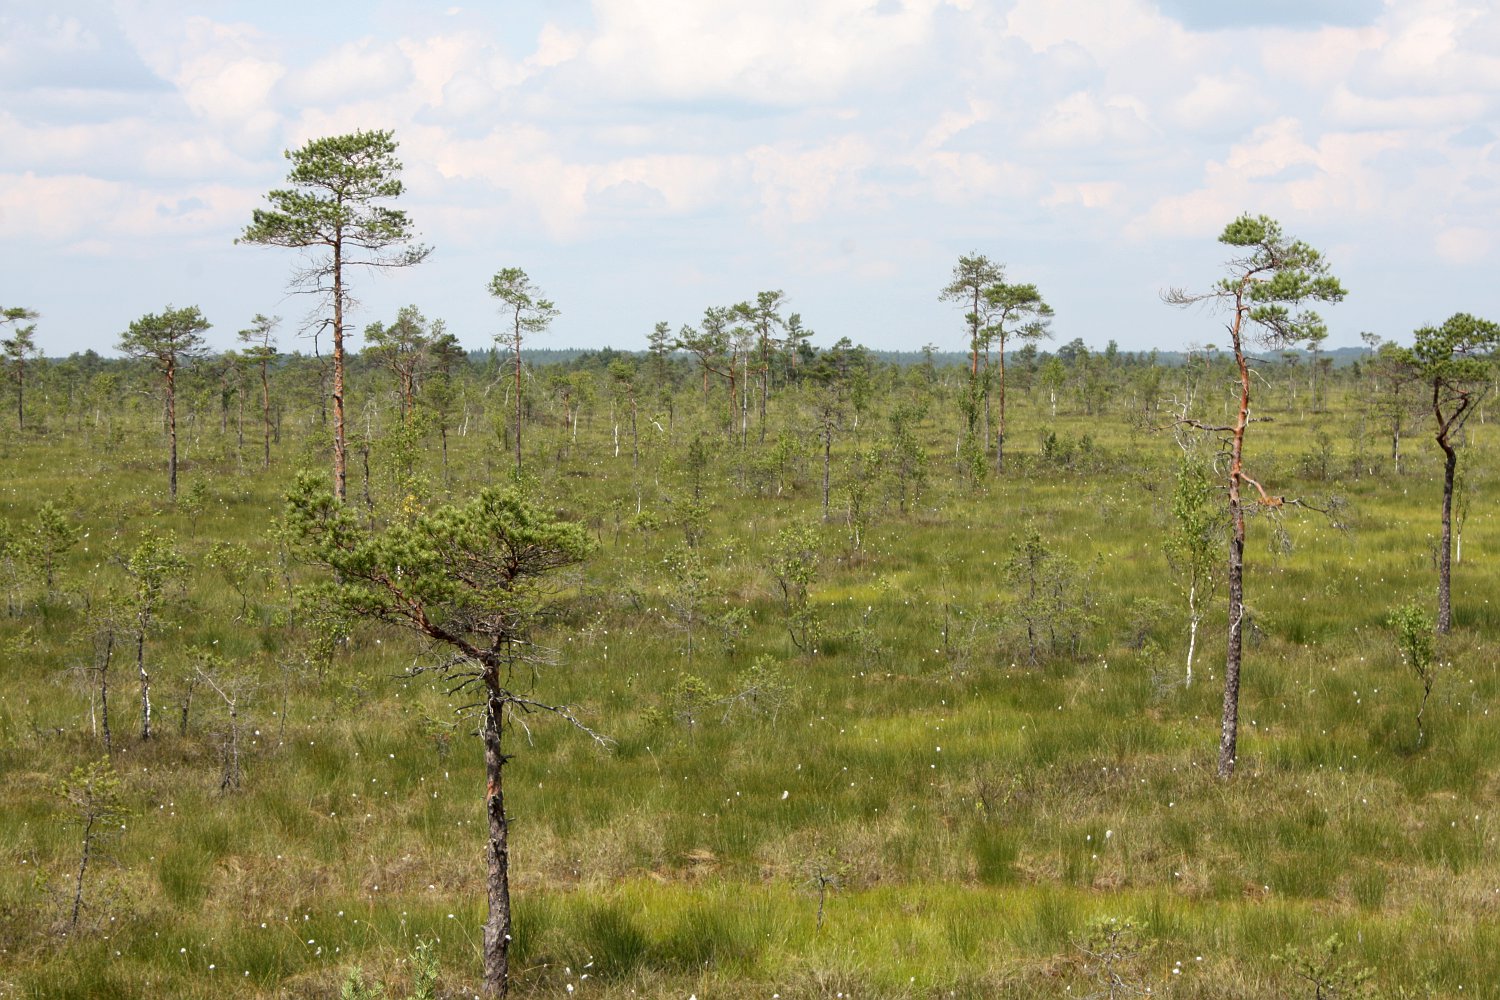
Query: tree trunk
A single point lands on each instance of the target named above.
(1230, 720)
(83, 866)
(518, 395)
(1445, 543)
(340, 464)
(827, 459)
(1229, 723)
(497, 875)
(109, 653)
(140, 666)
(171, 433)
(265, 402)
(1000, 432)
(1194, 618)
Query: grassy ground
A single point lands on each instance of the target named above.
(962, 817)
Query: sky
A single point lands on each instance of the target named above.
(642, 160)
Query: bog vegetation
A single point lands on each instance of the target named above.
(794, 681)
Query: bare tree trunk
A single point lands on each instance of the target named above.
(1445, 543)
(109, 653)
(83, 865)
(1230, 720)
(265, 403)
(497, 876)
(1194, 618)
(140, 666)
(340, 457)
(171, 433)
(1000, 432)
(827, 459)
(518, 396)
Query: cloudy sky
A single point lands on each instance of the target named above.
(644, 159)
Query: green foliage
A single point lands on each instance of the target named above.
(794, 563)
(95, 795)
(155, 565)
(689, 700)
(1052, 612)
(1416, 640)
(236, 565)
(1275, 273)
(336, 181)
(468, 574)
(1196, 538)
(1113, 949)
(1323, 972)
(424, 966)
(50, 537)
(761, 691)
(167, 339)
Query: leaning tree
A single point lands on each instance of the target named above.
(471, 578)
(1452, 362)
(1268, 277)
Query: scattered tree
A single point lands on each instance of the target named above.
(1269, 275)
(153, 567)
(331, 206)
(1015, 311)
(1416, 641)
(167, 340)
(1193, 544)
(470, 577)
(261, 351)
(1452, 362)
(93, 792)
(527, 314)
(19, 349)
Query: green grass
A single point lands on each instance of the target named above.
(982, 811)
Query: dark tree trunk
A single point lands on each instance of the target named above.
(1000, 392)
(497, 855)
(518, 398)
(1445, 543)
(265, 403)
(171, 434)
(827, 460)
(1229, 723)
(109, 653)
(340, 458)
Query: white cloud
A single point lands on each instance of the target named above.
(1216, 101)
(800, 185)
(1279, 172)
(1463, 244)
(1097, 26)
(784, 52)
(1086, 194)
(69, 209)
(359, 70)
(1086, 119)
